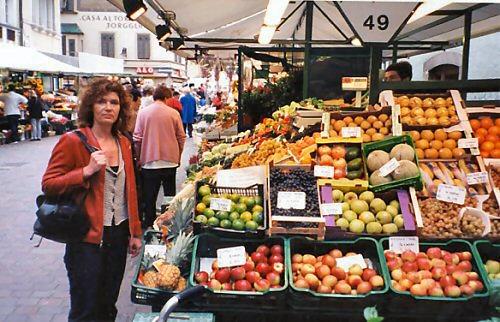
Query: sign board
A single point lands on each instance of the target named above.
(400, 244)
(231, 256)
(145, 70)
(323, 171)
(354, 83)
(220, 204)
(241, 178)
(376, 21)
(470, 143)
(449, 193)
(351, 132)
(291, 200)
(390, 166)
(346, 262)
(477, 177)
(327, 209)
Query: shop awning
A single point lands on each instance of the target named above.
(70, 29)
(100, 65)
(27, 59)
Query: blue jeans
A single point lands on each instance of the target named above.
(36, 129)
(95, 275)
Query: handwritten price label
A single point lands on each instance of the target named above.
(323, 171)
(450, 193)
(470, 143)
(231, 256)
(291, 200)
(330, 209)
(346, 262)
(351, 132)
(220, 204)
(400, 244)
(477, 177)
(390, 166)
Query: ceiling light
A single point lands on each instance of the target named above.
(356, 42)
(274, 12)
(162, 32)
(266, 34)
(134, 8)
(177, 43)
(427, 7)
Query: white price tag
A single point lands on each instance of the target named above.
(327, 209)
(400, 244)
(155, 250)
(346, 262)
(477, 177)
(323, 171)
(231, 256)
(354, 83)
(220, 204)
(468, 143)
(390, 166)
(291, 200)
(351, 132)
(450, 193)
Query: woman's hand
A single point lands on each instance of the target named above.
(96, 162)
(134, 246)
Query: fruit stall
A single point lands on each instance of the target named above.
(396, 206)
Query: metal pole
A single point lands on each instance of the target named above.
(375, 63)
(466, 46)
(307, 48)
(240, 91)
(395, 53)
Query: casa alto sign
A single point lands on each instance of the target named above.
(145, 70)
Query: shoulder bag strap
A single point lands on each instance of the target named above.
(91, 150)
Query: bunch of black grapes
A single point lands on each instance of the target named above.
(294, 180)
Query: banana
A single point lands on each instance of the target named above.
(425, 168)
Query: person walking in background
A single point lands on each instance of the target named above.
(147, 96)
(35, 107)
(159, 141)
(175, 103)
(96, 264)
(12, 100)
(188, 111)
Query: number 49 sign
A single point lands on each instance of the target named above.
(378, 21)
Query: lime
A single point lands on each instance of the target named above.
(250, 202)
(226, 196)
(222, 215)
(226, 223)
(206, 200)
(200, 207)
(204, 190)
(201, 218)
(251, 225)
(234, 215)
(257, 208)
(214, 222)
(235, 197)
(241, 207)
(238, 224)
(209, 213)
(258, 217)
(246, 216)
(233, 206)
(258, 200)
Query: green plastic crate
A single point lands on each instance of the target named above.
(206, 245)
(484, 250)
(386, 145)
(307, 299)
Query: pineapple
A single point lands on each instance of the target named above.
(181, 285)
(150, 277)
(177, 253)
(182, 218)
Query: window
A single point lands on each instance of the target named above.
(108, 45)
(11, 35)
(72, 47)
(63, 41)
(68, 5)
(9, 12)
(44, 14)
(143, 46)
(1, 32)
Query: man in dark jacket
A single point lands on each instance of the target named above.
(35, 107)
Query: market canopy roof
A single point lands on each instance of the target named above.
(70, 29)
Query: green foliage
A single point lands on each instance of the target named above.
(371, 314)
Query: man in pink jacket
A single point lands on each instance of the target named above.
(159, 140)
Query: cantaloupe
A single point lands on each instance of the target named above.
(376, 178)
(405, 170)
(376, 159)
(402, 152)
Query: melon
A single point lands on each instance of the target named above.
(376, 159)
(405, 170)
(376, 178)
(403, 152)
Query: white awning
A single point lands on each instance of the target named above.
(95, 64)
(20, 58)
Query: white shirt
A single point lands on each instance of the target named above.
(146, 100)
(12, 101)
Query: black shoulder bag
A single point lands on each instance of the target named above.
(60, 218)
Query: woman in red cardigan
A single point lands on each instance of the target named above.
(96, 264)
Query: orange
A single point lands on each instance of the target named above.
(445, 153)
(325, 159)
(377, 137)
(432, 121)
(440, 135)
(371, 131)
(404, 101)
(420, 153)
(415, 102)
(495, 153)
(365, 125)
(309, 140)
(487, 146)
(458, 152)
(338, 152)
(480, 139)
(475, 124)
(435, 144)
(455, 135)
(486, 123)
(422, 144)
(497, 121)
(358, 120)
(316, 135)
(449, 101)
(333, 133)
(388, 123)
(485, 154)
(415, 135)
(491, 138)
(450, 144)
(440, 102)
(497, 144)
(378, 124)
(431, 154)
(427, 103)
(405, 111)
(338, 125)
(444, 121)
(366, 138)
(430, 113)
(384, 131)
(405, 120)
(372, 118)
(352, 124)
(442, 111)
(494, 130)
(427, 135)
(383, 117)
(452, 111)
(348, 120)
(454, 119)
(482, 132)
(421, 120)
(417, 112)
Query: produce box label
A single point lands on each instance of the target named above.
(231, 256)
(346, 262)
(354, 83)
(351, 132)
(155, 250)
(400, 244)
(291, 200)
(390, 166)
(470, 143)
(330, 209)
(450, 193)
(220, 204)
(477, 177)
(323, 171)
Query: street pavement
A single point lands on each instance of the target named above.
(33, 281)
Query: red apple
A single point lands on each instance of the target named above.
(472, 275)
(329, 260)
(273, 278)
(355, 270)
(296, 267)
(447, 281)
(418, 290)
(343, 287)
(460, 277)
(249, 265)
(437, 262)
(329, 280)
(476, 285)
(452, 291)
(364, 288)
(215, 285)
(262, 268)
(223, 275)
(297, 258)
(201, 277)
(278, 268)
(312, 280)
(425, 274)
(408, 256)
(450, 268)
(227, 287)
(424, 263)
(436, 291)
(389, 254)
(466, 256)
(258, 257)
(434, 252)
(324, 289)
(262, 285)
(377, 281)
(354, 280)
(413, 276)
(394, 263)
(451, 259)
(317, 264)
(237, 273)
(410, 267)
(406, 283)
(465, 266)
(368, 273)
(428, 283)
(319, 258)
(252, 276)
(277, 249)
(204, 283)
(338, 273)
(422, 255)
(397, 274)
(336, 253)
(301, 284)
(242, 285)
(398, 287)
(309, 259)
(307, 269)
(215, 265)
(263, 249)
(322, 271)
(438, 272)
(444, 253)
(275, 258)
(467, 290)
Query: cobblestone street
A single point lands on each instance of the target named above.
(33, 283)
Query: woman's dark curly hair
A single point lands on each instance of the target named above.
(93, 92)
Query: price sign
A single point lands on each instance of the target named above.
(468, 143)
(450, 193)
(354, 83)
(220, 204)
(291, 200)
(323, 171)
(376, 21)
(400, 244)
(351, 132)
(330, 209)
(231, 256)
(390, 166)
(477, 177)
(346, 262)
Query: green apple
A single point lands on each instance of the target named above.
(367, 217)
(342, 223)
(356, 226)
(349, 215)
(390, 228)
(367, 196)
(398, 221)
(374, 228)
(337, 195)
(392, 210)
(395, 204)
(384, 217)
(377, 205)
(345, 207)
(358, 206)
(350, 196)
(492, 266)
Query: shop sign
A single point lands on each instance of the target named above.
(145, 70)
(354, 83)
